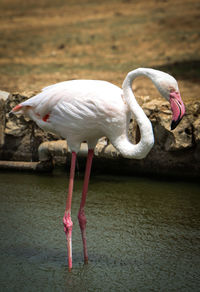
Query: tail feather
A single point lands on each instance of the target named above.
(20, 109)
(17, 108)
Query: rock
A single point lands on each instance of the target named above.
(4, 95)
(2, 122)
(196, 139)
(48, 150)
(160, 115)
(21, 137)
(196, 131)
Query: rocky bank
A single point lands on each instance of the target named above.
(175, 153)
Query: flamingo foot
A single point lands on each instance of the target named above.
(82, 224)
(68, 224)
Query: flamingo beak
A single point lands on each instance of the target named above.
(177, 107)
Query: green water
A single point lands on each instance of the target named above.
(143, 235)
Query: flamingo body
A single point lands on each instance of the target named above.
(86, 110)
(80, 110)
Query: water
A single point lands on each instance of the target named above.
(143, 235)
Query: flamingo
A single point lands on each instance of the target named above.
(86, 110)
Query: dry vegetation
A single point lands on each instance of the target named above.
(47, 41)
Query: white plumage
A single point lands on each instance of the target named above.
(80, 110)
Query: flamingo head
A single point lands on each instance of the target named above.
(177, 107)
(168, 88)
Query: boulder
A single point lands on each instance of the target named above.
(22, 136)
(3, 97)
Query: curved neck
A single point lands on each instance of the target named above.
(140, 150)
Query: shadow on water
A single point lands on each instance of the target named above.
(142, 234)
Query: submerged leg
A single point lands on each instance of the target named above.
(81, 214)
(68, 224)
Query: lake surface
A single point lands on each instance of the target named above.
(143, 234)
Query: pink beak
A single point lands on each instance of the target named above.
(177, 107)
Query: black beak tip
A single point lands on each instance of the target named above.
(11, 113)
(174, 124)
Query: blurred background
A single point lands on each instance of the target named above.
(47, 41)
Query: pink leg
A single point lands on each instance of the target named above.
(81, 214)
(68, 224)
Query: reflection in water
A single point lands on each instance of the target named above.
(143, 235)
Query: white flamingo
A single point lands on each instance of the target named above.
(86, 110)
